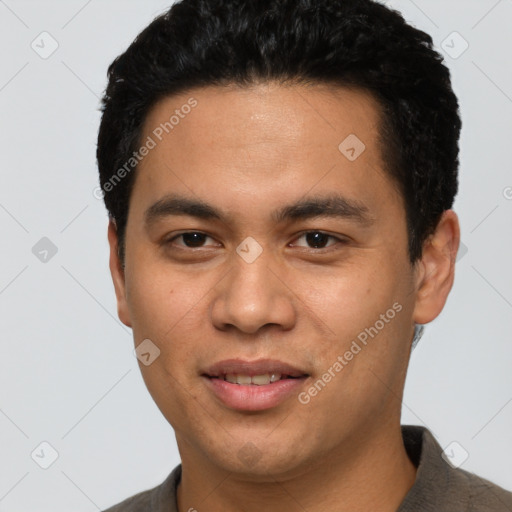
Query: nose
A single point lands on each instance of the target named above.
(253, 295)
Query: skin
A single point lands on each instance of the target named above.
(249, 152)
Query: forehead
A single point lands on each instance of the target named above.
(268, 141)
(267, 113)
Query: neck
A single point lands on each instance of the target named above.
(372, 472)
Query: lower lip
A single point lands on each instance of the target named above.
(252, 397)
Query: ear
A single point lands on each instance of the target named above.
(117, 274)
(436, 270)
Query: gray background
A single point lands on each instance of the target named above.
(68, 375)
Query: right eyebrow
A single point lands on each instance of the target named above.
(178, 205)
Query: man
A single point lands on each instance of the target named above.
(280, 176)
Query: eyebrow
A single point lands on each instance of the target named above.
(333, 205)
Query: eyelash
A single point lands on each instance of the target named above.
(305, 233)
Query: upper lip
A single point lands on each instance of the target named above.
(252, 368)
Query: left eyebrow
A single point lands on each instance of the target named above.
(334, 205)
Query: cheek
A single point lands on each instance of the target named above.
(158, 299)
(170, 307)
(366, 318)
(348, 298)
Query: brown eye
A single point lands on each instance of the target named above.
(318, 239)
(191, 239)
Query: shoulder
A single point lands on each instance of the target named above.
(137, 503)
(482, 495)
(159, 498)
(442, 487)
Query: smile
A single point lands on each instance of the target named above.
(257, 380)
(253, 385)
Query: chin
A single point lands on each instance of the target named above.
(260, 461)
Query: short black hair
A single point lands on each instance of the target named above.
(351, 43)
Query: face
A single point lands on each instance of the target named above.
(266, 245)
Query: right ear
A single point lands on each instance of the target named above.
(117, 273)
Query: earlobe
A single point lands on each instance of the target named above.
(436, 271)
(118, 275)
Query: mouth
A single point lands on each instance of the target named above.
(260, 372)
(253, 385)
(255, 380)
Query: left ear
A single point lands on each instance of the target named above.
(436, 270)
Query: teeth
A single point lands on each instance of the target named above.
(258, 380)
(261, 380)
(243, 379)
